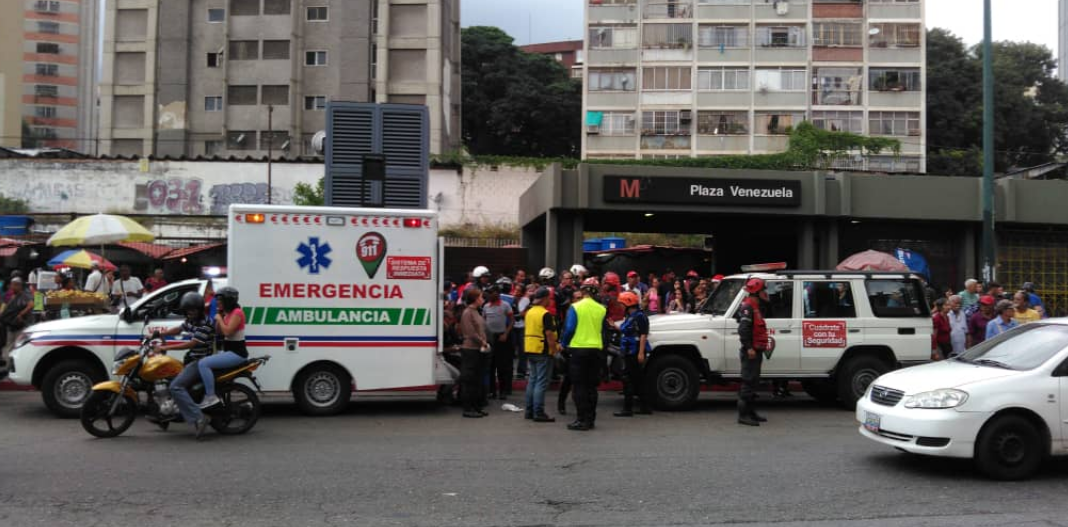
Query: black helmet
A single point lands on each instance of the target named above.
(227, 293)
(191, 301)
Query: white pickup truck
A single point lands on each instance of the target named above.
(834, 331)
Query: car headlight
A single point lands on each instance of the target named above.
(27, 337)
(937, 399)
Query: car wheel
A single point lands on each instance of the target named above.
(823, 391)
(674, 381)
(322, 389)
(67, 386)
(1009, 448)
(855, 377)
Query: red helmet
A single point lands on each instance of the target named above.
(628, 299)
(754, 285)
(717, 278)
(611, 278)
(591, 283)
(692, 274)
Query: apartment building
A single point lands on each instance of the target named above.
(1062, 40)
(686, 78)
(569, 53)
(47, 73)
(244, 77)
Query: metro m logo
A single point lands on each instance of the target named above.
(630, 188)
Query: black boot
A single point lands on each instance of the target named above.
(561, 407)
(745, 416)
(757, 417)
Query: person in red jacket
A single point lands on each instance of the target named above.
(943, 345)
(753, 332)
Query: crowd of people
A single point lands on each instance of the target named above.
(978, 312)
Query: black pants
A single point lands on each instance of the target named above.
(501, 369)
(565, 381)
(585, 370)
(633, 384)
(750, 382)
(472, 373)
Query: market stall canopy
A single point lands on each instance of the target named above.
(81, 259)
(872, 261)
(100, 229)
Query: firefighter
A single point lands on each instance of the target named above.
(635, 330)
(753, 332)
(583, 335)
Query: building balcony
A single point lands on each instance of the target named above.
(671, 98)
(883, 55)
(837, 97)
(615, 143)
(715, 55)
(665, 142)
(780, 55)
(779, 99)
(667, 11)
(612, 57)
(613, 13)
(612, 99)
(838, 9)
(895, 99)
(770, 143)
(724, 12)
(837, 54)
(731, 144)
(669, 53)
(791, 10)
(895, 11)
(724, 99)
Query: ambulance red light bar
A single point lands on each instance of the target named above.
(764, 267)
(413, 223)
(255, 218)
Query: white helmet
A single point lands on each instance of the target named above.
(480, 271)
(546, 273)
(579, 269)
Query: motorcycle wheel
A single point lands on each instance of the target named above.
(239, 411)
(96, 421)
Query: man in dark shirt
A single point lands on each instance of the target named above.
(753, 332)
(201, 331)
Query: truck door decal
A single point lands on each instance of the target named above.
(823, 334)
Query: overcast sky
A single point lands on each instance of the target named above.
(549, 20)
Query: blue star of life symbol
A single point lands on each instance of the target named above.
(313, 255)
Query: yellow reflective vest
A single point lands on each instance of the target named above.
(534, 330)
(590, 322)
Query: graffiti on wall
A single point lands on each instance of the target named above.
(170, 196)
(222, 196)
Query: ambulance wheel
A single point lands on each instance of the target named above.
(322, 389)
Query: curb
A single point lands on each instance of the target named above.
(8, 386)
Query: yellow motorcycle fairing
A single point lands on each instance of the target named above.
(160, 367)
(113, 386)
(234, 373)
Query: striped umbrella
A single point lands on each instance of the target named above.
(81, 259)
(100, 229)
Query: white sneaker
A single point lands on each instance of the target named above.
(209, 401)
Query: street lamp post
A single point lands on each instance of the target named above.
(270, 148)
(989, 250)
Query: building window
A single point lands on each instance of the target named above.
(837, 121)
(667, 36)
(47, 112)
(674, 78)
(837, 86)
(275, 95)
(245, 7)
(212, 148)
(893, 79)
(275, 50)
(45, 90)
(48, 48)
(216, 16)
(46, 6)
(244, 50)
(47, 70)
(613, 37)
(777, 123)
(241, 95)
(214, 60)
(666, 123)
(315, 58)
(612, 80)
(213, 104)
(315, 102)
(723, 79)
(276, 7)
(780, 36)
(617, 123)
(277, 141)
(837, 34)
(596, 3)
(894, 123)
(722, 123)
(724, 2)
(781, 79)
(894, 35)
(318, 14)
(723, 36)
(51, 28)
(240, 140)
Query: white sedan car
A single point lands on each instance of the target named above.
(1003, 403)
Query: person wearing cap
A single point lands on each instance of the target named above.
(583, 335)
(716, 280)
(970, 295)
(1004, 320)
(635, 285)
(753, 333)
(540, 345)
(96, 282)
(1034, 300)
(978, 321)
(15, 316)
(500, 318)
(633, 345)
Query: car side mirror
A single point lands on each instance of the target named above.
(127, 315)
(1062, 370)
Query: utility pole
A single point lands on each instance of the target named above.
(989, 249)
(270, 148)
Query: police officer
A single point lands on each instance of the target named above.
(635, 331)
(583, 335)
(753, 332)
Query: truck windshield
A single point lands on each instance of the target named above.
(723, 297)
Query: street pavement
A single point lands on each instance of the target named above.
(406, 461)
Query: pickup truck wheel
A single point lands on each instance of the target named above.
(1009, 448)
(823, 391)
(322, 389)
(855, 376)
(66, 387)
(674, 383)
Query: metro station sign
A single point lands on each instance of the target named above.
(702, 191)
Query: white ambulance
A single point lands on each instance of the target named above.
(341, 298)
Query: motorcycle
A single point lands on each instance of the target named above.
(113, 406)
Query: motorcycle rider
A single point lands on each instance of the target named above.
(201, 332)
(753, 333)
(635, 330)
(231, 324)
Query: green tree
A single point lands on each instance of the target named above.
(308, 195)
(516, 103)
(13, 205)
